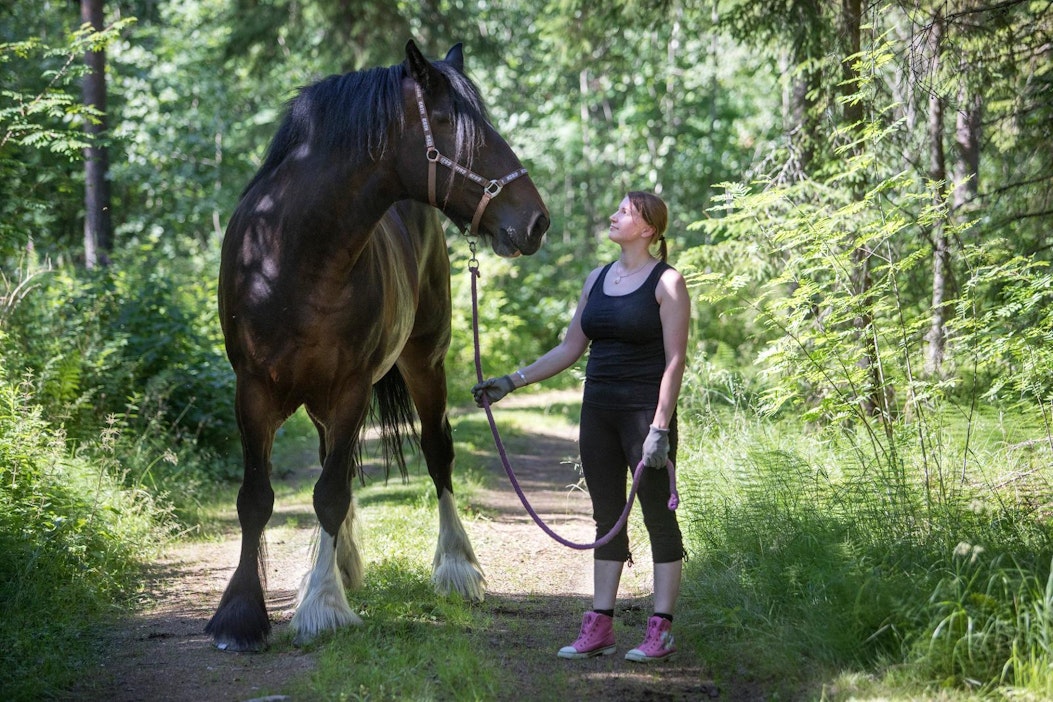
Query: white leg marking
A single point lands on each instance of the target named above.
(322, 604)
(348, 556)
(455, 569)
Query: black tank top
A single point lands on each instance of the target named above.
(626, 353)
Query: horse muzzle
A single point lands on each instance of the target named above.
(511, 241)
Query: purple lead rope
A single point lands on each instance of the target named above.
(674, 498)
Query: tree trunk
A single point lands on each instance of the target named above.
(936, 337)
(802, 121)
(872, 396)
(586, 156)
(967, 141)
(98, 231)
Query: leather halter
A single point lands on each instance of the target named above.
(491, 188)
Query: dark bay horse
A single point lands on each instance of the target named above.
(334, 293)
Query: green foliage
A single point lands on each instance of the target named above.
(189, 136)
(138, 342)
(1003, 324)
(986, 622)
(811, 554)
(41, 134)
(166, 315)
(71, 541)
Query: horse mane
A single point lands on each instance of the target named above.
(352, 114)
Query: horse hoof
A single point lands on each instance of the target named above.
(306, 633)
(240, 625)
(320, 612)
(240, 646)
(458, 575)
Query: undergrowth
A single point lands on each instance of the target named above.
(72, 539)
(807, 562)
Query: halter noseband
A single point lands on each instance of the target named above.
(491, 188)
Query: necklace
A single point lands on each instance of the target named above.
(632, 273)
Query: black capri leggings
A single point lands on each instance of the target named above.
(611, 443)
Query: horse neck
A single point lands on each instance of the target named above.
(346, 208)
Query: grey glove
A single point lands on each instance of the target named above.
(493, 388)
(656, 448)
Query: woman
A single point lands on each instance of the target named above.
(633, 317)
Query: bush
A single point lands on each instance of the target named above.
(140, 341)
(71, 539)
(804, 549)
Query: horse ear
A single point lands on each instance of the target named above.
(455, 57)
(420, 68)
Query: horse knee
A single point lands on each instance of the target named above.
(255, 506)
(331, 505)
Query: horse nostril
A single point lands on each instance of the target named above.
(539, 225)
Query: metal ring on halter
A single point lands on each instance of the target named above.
(473, 262)
(490, 187)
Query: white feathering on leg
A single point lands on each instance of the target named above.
(348, 555)
(322, 603)
(456, 569)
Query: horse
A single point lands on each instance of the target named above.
(334, 295)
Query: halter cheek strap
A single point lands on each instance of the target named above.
(491, 188)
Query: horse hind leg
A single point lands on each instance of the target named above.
(348, 554)
(322, 604)
(348, 557)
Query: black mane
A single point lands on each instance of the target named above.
(352, 114)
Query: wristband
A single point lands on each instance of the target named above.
(522, 377)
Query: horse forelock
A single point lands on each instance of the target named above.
(470, 115)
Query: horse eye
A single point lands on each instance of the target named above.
(442, 117)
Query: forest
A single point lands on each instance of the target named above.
(861, 201)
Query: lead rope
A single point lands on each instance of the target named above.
(674, 497)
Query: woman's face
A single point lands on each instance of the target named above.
(627, 224)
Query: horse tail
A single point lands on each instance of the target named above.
(392, 412)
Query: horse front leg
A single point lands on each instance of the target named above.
(322, 604)
(240, 622)
(455, 567)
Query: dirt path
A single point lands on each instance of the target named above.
(537, 591)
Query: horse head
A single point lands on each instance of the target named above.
(451, 155)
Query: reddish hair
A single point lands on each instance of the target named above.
(655, 213)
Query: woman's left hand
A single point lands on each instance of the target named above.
(656, 448)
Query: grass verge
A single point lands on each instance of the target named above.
(821, 572)
(72, 536)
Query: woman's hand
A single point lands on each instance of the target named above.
(656, 448)
(493, 389)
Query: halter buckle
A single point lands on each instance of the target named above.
(493, 188)
(433, 154)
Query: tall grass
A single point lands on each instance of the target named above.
(72, 537)
(808, 559)
(97, 429)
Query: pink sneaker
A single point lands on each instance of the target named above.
(657, 645)
(596, 638)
